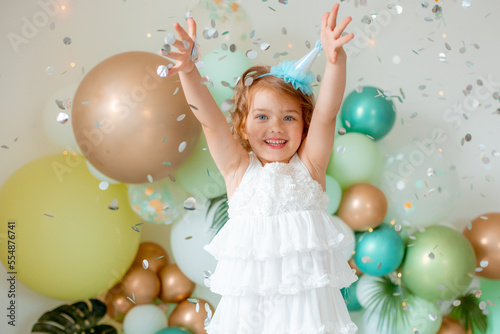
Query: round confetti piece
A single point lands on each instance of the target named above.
(67, 40)
(162, 71)
(62, 118)
(251, 54)
(396, 60)
(181, 117)
(182, 146)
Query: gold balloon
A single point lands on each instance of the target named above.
(131, 124)
(362, 206)
(117, 305)
(185, 316)
(450, 326)
(141, 284)
(483, 234)
(175, 286)
(155, 255)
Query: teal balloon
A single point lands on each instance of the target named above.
(222, 67)
(173, 330)
(368, 113)
(334, 193)
(199, 175)
(379, 252)
(490, 295)
(350, 298)
(439, 264)
(355, 159)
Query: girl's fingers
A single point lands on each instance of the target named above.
(191, 28)
(345, 39)
(180, 31)
(339, 29)
(175, 55)
(332, 19)
(181, 45)
(324, 19)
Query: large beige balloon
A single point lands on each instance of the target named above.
(131, 124)
(483, 234)
(362, 206)
(450, 326)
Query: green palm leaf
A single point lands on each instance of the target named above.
(221, 215)
(469, 314)
(77, 318)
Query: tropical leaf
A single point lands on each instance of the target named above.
(221, 215)
(77, 318)
(387, 298)
(469, 314)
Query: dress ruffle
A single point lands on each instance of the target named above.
(317, 311)
(275, 236)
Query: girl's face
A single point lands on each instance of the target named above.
(274, 126)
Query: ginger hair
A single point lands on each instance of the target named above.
(244, 94)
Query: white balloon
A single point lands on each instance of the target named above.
(144, 319)
(61, 134)
(188, 237)
(98, 175)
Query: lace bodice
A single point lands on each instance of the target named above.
(276, 188)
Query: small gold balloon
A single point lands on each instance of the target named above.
(483, 234)
(186, 316)
(450, 326)
(141, 285)
(155, 255)
(130, 123)
(175, 286)
(118, 305)
(362, 206)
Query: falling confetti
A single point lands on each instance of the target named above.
(162, 71)
(182, 146)
(181, 117)
(190, 204)
(251, 54)
(62, 118)
(67, 40)
(366, 259)
(145, 264)
(113, 205)
(48, 215)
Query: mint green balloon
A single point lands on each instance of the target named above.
(490, 293)
(199, 175)
(439, 264)
(355, 159)
(334, 193)
(369, 113)
(222, 67)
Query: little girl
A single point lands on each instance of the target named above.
(280, 264)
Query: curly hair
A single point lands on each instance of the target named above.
(249, 84)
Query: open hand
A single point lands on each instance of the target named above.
(331, 32)
(187, 51)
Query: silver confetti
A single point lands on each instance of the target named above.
(466, 3)
(468, 63)
(181, 117)
(226, 105)
(150, 178)
(442, 56)
(483, 263)
(482, 305)
(341, 149)
(49, 70)
(162, 71)
(431, 256)
(113, 205)
(265, 46)
(251, 34)
(165, 50)
(182, 146)
(366, 19)
(342, 131)
(103, 185)
(496, 154)
(145, 264)
(62, 118)
(283, 31)
(190, 204)
(366, 259)
(425, 4)
(433, 317)
(447, 46)
(251, 54)
(430, 172)
(67, 40)
(248, 81)
(170, 38)
(232, 47)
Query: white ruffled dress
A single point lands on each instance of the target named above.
(280, 263)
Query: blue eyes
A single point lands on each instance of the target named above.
(264, 117)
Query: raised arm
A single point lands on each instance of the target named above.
(226, 152)
(317, 146)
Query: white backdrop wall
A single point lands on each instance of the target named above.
(405, 48)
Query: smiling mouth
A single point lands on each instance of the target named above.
(276, 143)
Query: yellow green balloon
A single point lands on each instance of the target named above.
(355, 159)
(72, 239)
(199, 175)
(439, 264)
